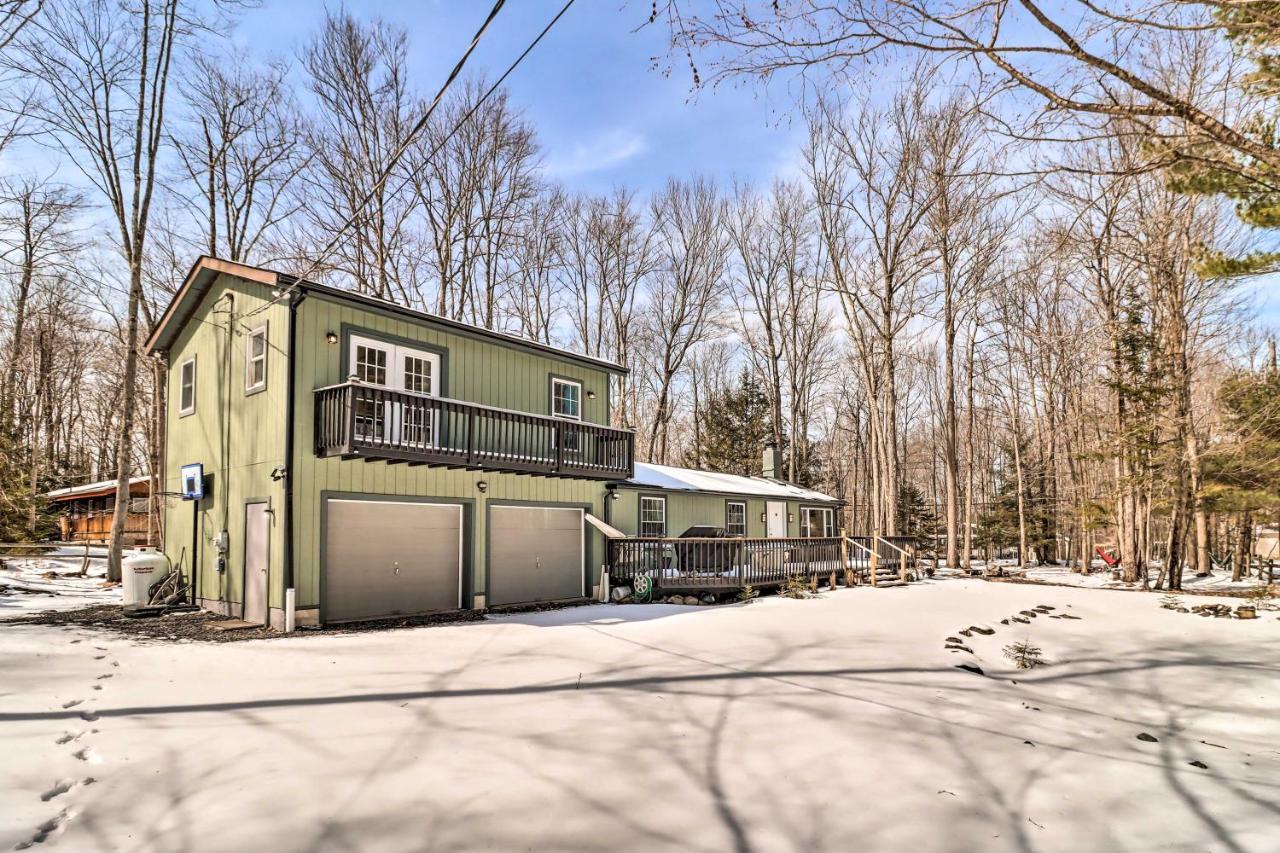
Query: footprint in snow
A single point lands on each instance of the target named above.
(108, 675)
(72, 703)
(89, 716)
(87, 755)
(68, 737)
(56, 791)
(44, 830)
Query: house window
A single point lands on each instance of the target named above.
(371, 365)
(417, 374)
(817, 521)
(653, 516)
(255, 360)
(566, 404)
(735, 518)
(187, 387)
(566, 399)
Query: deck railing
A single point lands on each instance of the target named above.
(354, 420)
(696, 563)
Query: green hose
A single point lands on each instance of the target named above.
(643, 588)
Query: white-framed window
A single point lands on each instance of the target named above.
(395, 366)
(653, 515)
(735, 518)
(566, 404)
(566, 399)
(399, 368)
(817, 521)
(187, 387)
(255, 360)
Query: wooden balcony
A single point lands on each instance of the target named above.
(357, 421)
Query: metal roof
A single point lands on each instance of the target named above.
(669, 478)
(88, 490)
(206, 270)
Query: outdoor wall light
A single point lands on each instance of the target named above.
(763, 518)
(790, 518)
(331, 337)
(591, 395)
(483, 486)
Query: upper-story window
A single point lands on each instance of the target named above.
(187, 387)
(395, 366)
(735, 518)
(255, 360)
(566, 399)
(370, 364)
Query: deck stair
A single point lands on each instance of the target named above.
(892, 561)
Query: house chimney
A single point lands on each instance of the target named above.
(772, 462)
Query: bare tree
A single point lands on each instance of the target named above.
(607, 254)
(357, 73)
(103, 75)
(1085, 60)
(873, 197)
(685, 290)
(35, 235)
(240, 149)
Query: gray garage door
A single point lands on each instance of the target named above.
(535, 554)
(384, 558)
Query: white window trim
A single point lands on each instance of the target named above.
(555, 380)
(742, 504)
(395, 362)
(251, 387)
(823, 512)
(663, 502)
(182, 368)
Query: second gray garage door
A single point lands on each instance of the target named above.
(385, 558)
(535, 554)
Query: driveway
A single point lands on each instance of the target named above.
(836, 723)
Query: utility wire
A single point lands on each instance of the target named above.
(416, 129)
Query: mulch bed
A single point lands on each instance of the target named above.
(195, 626)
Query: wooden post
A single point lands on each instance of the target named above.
(844, 558)
(874, 560)
(902, 566)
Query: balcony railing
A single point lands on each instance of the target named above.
(354, 420)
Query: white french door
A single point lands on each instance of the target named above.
(399, 368)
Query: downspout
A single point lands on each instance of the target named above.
(290, 594)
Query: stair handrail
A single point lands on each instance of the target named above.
(902, 558)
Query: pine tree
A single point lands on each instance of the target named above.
(1208, 168)
(1244, 474)
(734, 427)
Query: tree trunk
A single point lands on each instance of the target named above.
(124, 445)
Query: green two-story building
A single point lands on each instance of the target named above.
(339, 457)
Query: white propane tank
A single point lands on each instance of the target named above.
(139, 571)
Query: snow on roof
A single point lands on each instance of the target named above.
(691, 480)
(91, 488)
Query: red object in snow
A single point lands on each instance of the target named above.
(1107, 557)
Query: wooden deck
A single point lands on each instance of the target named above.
(719, 565)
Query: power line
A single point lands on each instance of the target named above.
(417, 128)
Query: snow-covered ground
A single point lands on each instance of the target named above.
(53, 581)
(834, 723)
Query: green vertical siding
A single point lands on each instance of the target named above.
(476, 371)
(685, 509)
(238, 438)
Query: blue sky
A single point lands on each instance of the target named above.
(603, 112)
